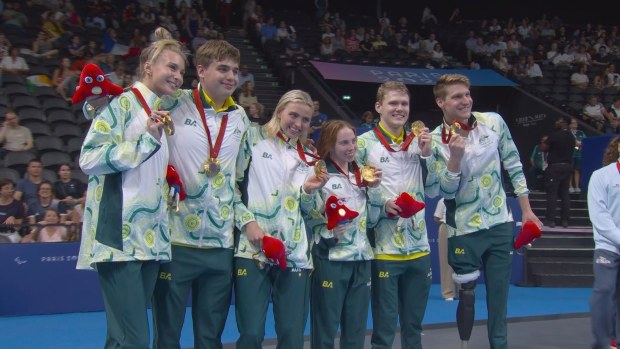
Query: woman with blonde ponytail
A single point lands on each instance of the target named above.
(125, 233)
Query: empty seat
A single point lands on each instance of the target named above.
(29, 113)
(53, 159)
(9, 173)
(25, 101)
(49, 175)
(59, 116)
(65, 132)
(18, 160)
(37, 128)
(54, 104)
(15, 90)
(46, 144)
(74, 146)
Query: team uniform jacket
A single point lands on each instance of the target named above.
(604, 207)
(206, 217)
(402, 172)
(353, 245)
(274, 187)
(125, 218)
(475, 199)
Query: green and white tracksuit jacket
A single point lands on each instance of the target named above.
(475, 198)
(353, 245)
(206, 217)
(395, 238)
(275, 176)
(125, 218)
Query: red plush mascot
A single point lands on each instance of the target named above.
(408, 205)
(337, 212)
(274, 250)
(529, 232)
(94, 83)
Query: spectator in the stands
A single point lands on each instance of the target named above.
(426, 46)
(61, 72)
(580, 77)
(595, 113)
(540, 55)
(44, 200)
(247, 95)
(13, 136)
(12, 17)
(93, 50)
(414, 45)
(600, 80)
(438, 58)
(147, 16)
(513, 46)
(282, 32)
(378, 44)
(14, 64)
(43, 45)
(366, 44)
(497, 44)
(351, 43)
(519, 70)
(76, 48)
(116, 77)
(190, 23)
(138, 39)
(500, 62)
(11, 210)
(48, 229)
(338, 22)
(26, 190)
(538, 165)
(614, 115)
(256, 114)
(338, 40)
(576, 174)
(455, 17)
(293, 46)
(318, 119)
(428, 20)
(602, 57)
(268, 30)
(111, 45)
(65, 78)
(533, 69)
(5, 45)
(245, 75)
(494, 27)
(72, 18)
(69, 190)
(327, 47)
(368, 120)
(582, 56)
(612, 76)
(470, 44)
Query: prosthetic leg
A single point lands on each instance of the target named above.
(465, 312)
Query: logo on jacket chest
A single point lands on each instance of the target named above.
(266, 155)
(484, 141)
(384, 159)
(336, 186)
(190, 122)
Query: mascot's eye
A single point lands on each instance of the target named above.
(332, 205)
(100, 78)
(88, 80)
(340, 202)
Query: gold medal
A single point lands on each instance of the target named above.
(319, 167)
(454, 128)
(212, 167)
(168, 124)
(368, 173)
(417, 127)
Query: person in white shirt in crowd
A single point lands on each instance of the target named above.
(604, 211)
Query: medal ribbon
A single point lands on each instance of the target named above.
(387, 145)
(356, 172)
(618, 166)
(214, 150)
(141, 100)
(300, 151)
(446, 135)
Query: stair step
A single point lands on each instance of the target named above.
(566, 280)
(564, 241)
(542, 266)
(560, 252)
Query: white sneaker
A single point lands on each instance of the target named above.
(571, 190)
(577, 190)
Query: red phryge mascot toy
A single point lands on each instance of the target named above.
(274, 251)
(94, 83)
(408, 205)
(337, 213)
(529, 232)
